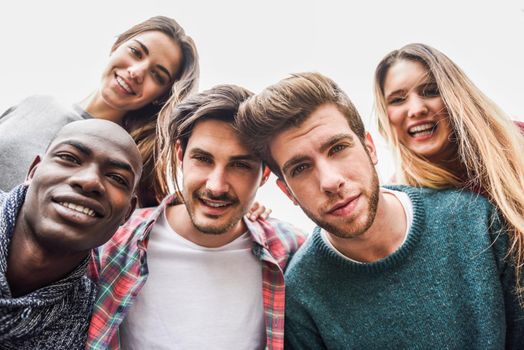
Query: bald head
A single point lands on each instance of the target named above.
(104, 133)
(83, 188)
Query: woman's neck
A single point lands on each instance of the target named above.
(95, 105)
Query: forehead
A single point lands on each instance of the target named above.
(217, 137)
(161, 47)
(323, 124)
(405, 73)
(101, 146)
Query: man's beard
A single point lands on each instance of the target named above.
(352, 229)
(213, 228)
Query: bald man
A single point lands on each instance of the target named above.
(74, 199)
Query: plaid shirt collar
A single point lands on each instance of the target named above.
(120, 268)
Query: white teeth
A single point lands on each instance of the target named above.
(215, 205)
(422, 127)
(124, 85)
(78, 208)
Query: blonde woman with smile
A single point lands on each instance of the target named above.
(446, 133)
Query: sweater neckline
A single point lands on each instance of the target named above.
(389, 261)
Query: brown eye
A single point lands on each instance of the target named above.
(135, 52)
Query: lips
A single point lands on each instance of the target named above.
(422, 130)
(124, 85)
(79, 208)
(80, 204)
(344, 207)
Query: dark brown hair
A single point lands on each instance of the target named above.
(220, 102)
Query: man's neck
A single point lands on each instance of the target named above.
(180, 221)
(382, 238)
(31, 267)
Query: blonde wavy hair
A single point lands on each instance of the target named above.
(489, 145)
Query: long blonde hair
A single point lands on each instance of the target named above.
(489, 145)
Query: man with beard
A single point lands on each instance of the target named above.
(395, 267)
(74, 199)
(193, 273)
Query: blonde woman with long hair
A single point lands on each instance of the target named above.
(446, 133)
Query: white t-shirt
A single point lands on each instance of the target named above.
(408, 211)
(196, 297)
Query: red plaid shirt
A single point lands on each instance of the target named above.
(120, 268)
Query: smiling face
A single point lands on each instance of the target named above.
(220, 177)
(82, 189)
(417, 112)
(329, 172)
(140, 70)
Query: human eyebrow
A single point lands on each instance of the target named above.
(84, 149)
(293, 161)
(144, 47)
(159, 66)
(199, 152)
(245, 157)
(120, 165)
(334, 140)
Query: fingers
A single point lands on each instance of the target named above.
(258, 211)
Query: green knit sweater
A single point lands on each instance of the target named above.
(447, 287)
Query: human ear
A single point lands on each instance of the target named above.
(32, 169)
(282, 185)
(179, 153)
(370, 147)
(265, 175)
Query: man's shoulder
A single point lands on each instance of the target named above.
(288, 234)
(138, 222)
(445, 199)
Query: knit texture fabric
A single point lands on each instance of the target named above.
(447, 287)
(53, 317)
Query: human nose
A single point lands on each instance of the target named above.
(137, 71)
(331, 180)
(217, 183)
(88, 180)
(417, 107)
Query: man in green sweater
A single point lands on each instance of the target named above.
(386, 268)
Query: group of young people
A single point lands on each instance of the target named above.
(96, 252)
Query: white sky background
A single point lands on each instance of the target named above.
(61, 47)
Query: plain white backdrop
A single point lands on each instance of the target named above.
(60, 48)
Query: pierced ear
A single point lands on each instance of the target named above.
(265, 175)
(282, 185)
(32, 169)
(370, 147)
(131, 209)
